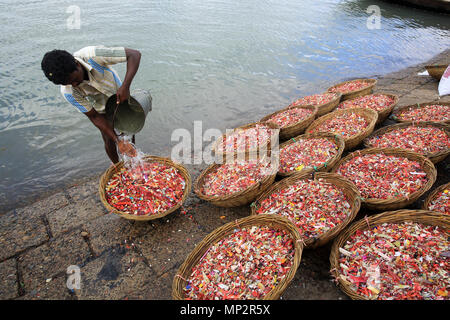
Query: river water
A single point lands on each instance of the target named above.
(222, 62)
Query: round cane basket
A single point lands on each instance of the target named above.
(343, 184)
(424, 217)
(235, 199)
(276, 222)
(357, 93)
(351, 142)
(263, 147)
(296, 128)
(435, 157)
(383, 114)
(436, 71)
(399, 202)
(432, 196)
(326, 166)
(324, 107)
(396, 115)
(113, 169)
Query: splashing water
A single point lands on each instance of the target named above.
(134, 165)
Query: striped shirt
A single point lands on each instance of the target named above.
(103, 80)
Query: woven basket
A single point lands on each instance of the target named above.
(419, 216)
(383, 114)
(113, 169)
(262, 220)
(222, 156)
(435, 157)
(327, 166)
(399, 111)
(324, 107)
(296, 128)
(357, 93)
(395, 203)
(436, 71)
(345, 185)
(236, 199)
(351, 142)
(433, 194)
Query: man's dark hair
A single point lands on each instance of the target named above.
(58, 65)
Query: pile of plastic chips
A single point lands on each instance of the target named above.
(290, 116)
(433, 112)
(230, 178)
(397, 262)
(377, 102)
(346, 125)
(423, 140)
(247, 264)
(306, 153)
(380, 176)
(441, 202)
(315, 100)
(314, 206)
(241, 140)
(149, 189)
(350, 86)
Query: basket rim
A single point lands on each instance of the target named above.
(391, 106)
(327, 135)
(263, 146)
(386, 129)
(399, 216)
(433, 194)
(372, 82)
(337, 96)
(296, 124)
(347, 187)
(371, 116)
(400, 109)
(211, 168)
(437, 66)
(221, 232)
(148, 158)
(426, 165)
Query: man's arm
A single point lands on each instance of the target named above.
(133, 60)
(110, 137)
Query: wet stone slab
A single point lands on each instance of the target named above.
(312, 280)
(20, 230)
(211, 217)
(157, 288)
(111, 230)
(25, 227)
(113, 275)
(8, 280)
(52, 259)
(424, 95)
(170, 243)
(443, 99)
(72, 216)
(46, 205)
(86, 193)
(402, 88)
(52, 289)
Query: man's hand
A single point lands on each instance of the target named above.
(123, 94)
(126, 148)
(133, 61)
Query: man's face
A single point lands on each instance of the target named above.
(76, 77)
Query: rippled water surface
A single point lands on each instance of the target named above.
(222, 62)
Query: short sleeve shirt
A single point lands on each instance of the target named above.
(103, 80)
